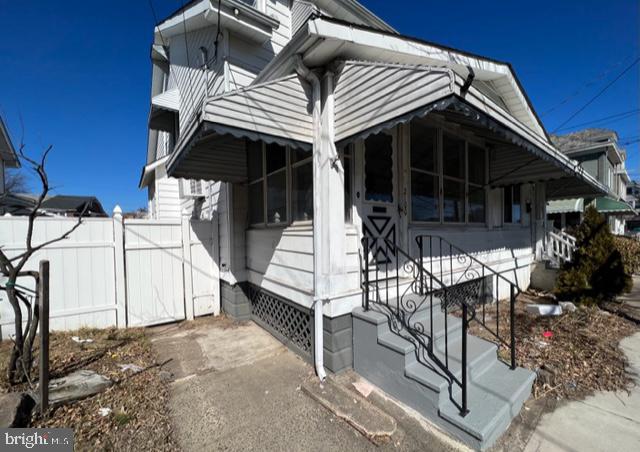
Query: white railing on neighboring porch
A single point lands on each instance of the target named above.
(560, 246)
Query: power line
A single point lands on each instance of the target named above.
(604, 120)
(601, 92)
(586, 85)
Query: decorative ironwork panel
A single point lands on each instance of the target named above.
(283, 318)
(472, 293)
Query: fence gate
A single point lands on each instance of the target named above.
(171, 270)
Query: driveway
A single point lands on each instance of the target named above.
(235, 387)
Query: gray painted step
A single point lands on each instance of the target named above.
(495, 392)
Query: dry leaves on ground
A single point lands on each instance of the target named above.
(137, 402)
(581, 355)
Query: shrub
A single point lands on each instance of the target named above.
(630, 250)
(597, 272)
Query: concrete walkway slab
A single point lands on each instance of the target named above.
(604, 421)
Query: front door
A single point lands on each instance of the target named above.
(380, 201)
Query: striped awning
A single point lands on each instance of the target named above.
(566, 205)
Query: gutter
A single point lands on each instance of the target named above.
(318, 349)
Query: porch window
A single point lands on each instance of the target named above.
(378, 168)
(511, 204)
(279, 178)
(301, 185)
(448, 177)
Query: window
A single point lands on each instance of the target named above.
(347, 164)
(278, 178)
(512, 210)
(425, 179)
(378, 168)
(447, 180)
(301, 185)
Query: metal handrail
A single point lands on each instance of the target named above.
(514, 290)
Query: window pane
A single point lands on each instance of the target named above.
(476, 204)
(256, 203)
(453, 156)
(276, 157)
(277, 198)
(254, 157)
(516, 208)
(453, 194)
(424, 197)
(507, 204)
(477, 165)
(298, 155)
(348, 201)
(378, 168)
(423, 147)
(302, 192)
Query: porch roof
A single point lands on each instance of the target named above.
(370, 97)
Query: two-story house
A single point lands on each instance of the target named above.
(365, 183)
(598, 152)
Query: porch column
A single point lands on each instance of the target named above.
(328, 189)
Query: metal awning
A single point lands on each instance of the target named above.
(566, 205)
(611, 206)
(275, 112)
(164, 108)
(169, 100)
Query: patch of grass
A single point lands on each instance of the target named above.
(122, 418)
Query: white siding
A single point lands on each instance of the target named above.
(300, 13)
(166, 198)
(281, 260)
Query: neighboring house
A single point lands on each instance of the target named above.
(598, 152)
(8, 156)
(633, 199)
(312, 133)
(56, 205)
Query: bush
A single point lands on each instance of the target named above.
(597, 272)
(630, 250)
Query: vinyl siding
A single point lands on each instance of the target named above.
(166, 197)
(300, 13)
(281, 260)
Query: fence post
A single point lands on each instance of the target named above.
(43, 295)
(120, 271)
(187, 265)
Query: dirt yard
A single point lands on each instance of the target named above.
(137, 416)
(574, 354)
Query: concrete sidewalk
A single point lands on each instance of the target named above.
(237, 388)
(605, 421)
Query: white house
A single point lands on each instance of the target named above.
(356, 176)
(8, 156)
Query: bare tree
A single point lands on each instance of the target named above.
(13, 268)
(15, 181)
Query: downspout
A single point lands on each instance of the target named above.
(318, 351)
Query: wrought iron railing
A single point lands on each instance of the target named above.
(403, 287)
(465, 272)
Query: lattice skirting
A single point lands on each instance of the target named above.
(291, 324)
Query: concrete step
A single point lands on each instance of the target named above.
(388, 358)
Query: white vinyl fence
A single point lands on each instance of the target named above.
(114, 272)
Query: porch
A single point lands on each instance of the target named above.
(339, 176)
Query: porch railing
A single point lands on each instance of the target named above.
(560, 246)
(405, 288)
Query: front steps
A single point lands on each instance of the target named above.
(495, 392)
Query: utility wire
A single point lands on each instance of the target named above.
(601, 92)
(586, 85)
(605, 120)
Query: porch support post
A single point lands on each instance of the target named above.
(328, 189)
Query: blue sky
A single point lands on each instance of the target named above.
(78, 73)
